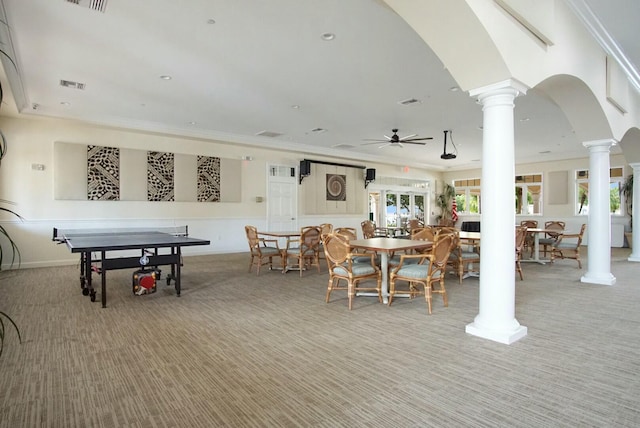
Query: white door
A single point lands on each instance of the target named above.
(282, 199)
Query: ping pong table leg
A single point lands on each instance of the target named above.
(103, 274)
(177, 271)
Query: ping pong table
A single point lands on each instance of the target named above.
(106, 242)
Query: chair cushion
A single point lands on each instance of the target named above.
(358, 269)
(269, 250)
(465, 255)
(363, 259)
(566, 245)
(415, 271)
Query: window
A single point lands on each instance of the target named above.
(528, 194)
(467, 196)
(616, 179)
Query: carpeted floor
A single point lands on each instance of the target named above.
(240, 350)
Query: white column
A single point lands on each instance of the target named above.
(635, 218)
(599, 222)
(496, 319)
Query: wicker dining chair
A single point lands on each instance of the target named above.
(521, 236)
(529, 240)
(306, 249)
(556, 228)
(262, 250)
(430, 270)
(568, 246)
(345, 273)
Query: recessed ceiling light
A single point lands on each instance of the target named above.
(327, 37)
(165, 77)
(211, 21)
(295, 106)
(544, 152)
(480, 127)
(65, 103)
(192, 122)
(525, 119)
(454, 89)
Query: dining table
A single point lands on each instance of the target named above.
(385, 247)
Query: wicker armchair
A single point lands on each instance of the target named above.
(521, 236)
(430, 270)
(529, 240)
(263, 251)
(556, 227)
(307, 248)
(344, 273)
(568, 246)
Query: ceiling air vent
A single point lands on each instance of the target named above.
(71, 84)
(409, 102)
(99, 5)
(269, 134)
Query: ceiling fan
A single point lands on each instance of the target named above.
(444, 154)
(395, 141)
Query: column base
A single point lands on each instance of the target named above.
(606, 279)
(634, 257)
(506, 337)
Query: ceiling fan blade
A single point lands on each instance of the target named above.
(417, 139)
(385, 145)
(419, 143)
(408, 137)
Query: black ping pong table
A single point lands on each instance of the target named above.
(107, 241)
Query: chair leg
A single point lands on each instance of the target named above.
(392, 290)
(329, 288)
(427, 296)
(351, 292)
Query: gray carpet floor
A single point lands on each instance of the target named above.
(240, 350)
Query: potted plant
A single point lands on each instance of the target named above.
(627, 192)
(443, 201)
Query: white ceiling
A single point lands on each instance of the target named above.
(240, 67)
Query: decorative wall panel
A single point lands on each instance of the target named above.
(208, 179)
(103, 173)
(91, 172)
(336, 187)
(160, 176)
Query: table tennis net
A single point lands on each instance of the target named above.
(60, 234)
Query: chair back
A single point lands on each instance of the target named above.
(554, 225)
(326, 228)
(309, 239)
(368, 229)
(530, 224)
(336, 249)
(348, 232)
(426, 233)
(440, 251)
(521, 234)
(252, 238)
(414, 223)
(580, 234)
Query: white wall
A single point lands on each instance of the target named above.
(31, 141)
